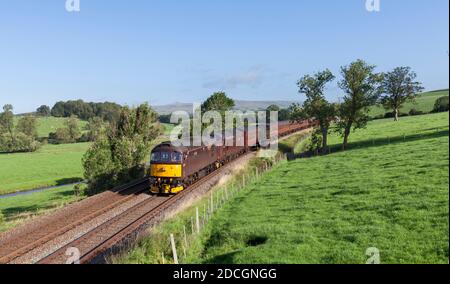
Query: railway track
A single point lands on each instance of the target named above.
(31, 236)
(46, 240)
(95, 225)
(126, 225)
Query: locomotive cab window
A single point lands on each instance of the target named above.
(177, 157)
(156, 157)
(165, 157)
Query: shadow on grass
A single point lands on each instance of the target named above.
(285, 149)
(228, 258)
(12, 212)
(68, 181)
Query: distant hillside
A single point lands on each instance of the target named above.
(424, 102)
(240, 105)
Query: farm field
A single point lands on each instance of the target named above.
(49, 166)
(46, 125)
(392, 195)
(424, 102)
(17, 209)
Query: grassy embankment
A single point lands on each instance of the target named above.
(389, 191)
(18, 209)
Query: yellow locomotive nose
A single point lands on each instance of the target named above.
(166, 171)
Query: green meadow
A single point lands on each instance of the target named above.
(389, 191)
(49, 166)
(392, 195)
(424, 102)
(46, 125)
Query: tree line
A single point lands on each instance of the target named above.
(83, 110)
(363, 88)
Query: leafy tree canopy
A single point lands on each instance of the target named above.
(399, 86)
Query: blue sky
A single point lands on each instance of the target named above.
(163, 51)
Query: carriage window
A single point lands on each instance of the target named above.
(165, 157)
(156, 157)
(177, 157)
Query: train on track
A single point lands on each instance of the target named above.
(173, 169)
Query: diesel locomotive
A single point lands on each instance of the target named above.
(173, 169)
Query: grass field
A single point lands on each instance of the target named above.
(424, 102)
(46, 125)
(388, 193)
(332, 209)
(51, 165)
(15, 210)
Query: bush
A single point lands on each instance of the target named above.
(80, 189)
(2, 218)
(70, 134)
(61, 136)
(414, 112)
(19, 142)
(441, 105)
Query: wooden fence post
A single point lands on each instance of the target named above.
(197, 219)
(185, 236)
(174, 249)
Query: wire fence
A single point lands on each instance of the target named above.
(181, 240)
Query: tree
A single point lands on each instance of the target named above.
(296, 112)
(441, 105)
(7, 120)
(96, 126)
(83, 110)
(43, 110)
(73, 130)
(272, 108)
(28, 126)
(119, 153)
(284, 115)
(58, 110)
(218, 102)
(62, 136)
(316, 106)
(399, 86)
(19, 139)
(69, 134)
(362, 90)
(18, 142)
